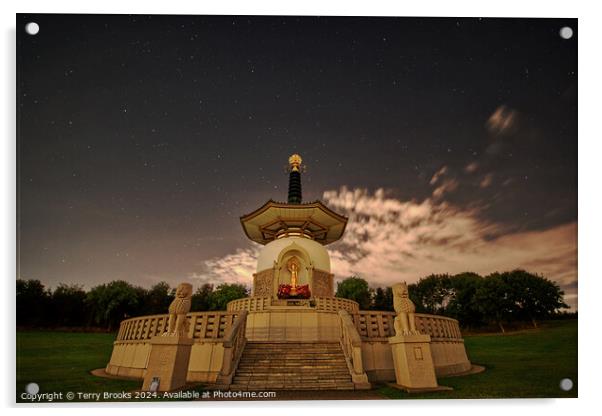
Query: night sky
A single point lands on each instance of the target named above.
(143, 139)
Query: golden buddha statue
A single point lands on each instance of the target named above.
(293, 266)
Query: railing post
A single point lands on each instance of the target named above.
(192, 326)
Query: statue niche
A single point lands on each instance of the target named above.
(293, 273)
(293, 264)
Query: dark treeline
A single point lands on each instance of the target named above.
(106, 305)
(475, 301)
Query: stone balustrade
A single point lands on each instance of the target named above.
(320, 303)
(351, 344)
(201, 325)
(332, 304)
(440, 328)
(234, 344)
(379, 325)
(251, 304)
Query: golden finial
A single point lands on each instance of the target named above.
(294, 162)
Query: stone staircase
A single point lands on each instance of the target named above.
(292, 366)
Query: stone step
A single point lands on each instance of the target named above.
(289, 365)
(280, 386)
(272, 387)
(276, 386)
(295, 343)
(303, 359)
(293, 347)
(293, 354)
(293, 370)
(295, 376)
(287, 381)
(296, 384)
(268, 376)
(290, 351)
(293, 362)
(266, 373)
(290, 361)
(292, 366)
(285, 371)
(296, 363)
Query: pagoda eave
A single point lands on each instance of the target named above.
(312, 220)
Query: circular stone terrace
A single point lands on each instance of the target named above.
(220, 337)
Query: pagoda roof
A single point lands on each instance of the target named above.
(313, 219)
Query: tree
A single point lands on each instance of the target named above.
(383, 299)
(33, 301)
(431, 294)
(355, 288)
(462, 304)
(158, 298)
(534, 297)
(111, 303)
(225, 293)
(201, 299)
(68, 305)
(493, 299)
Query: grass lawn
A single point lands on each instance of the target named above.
(527, 363)
(61, 362)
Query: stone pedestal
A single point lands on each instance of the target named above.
(414, 369)
(168, 362)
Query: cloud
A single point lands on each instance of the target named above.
(447, 185)
(438, 174)
(471, 167)
(501, 120)
(487, 181)
(237, 267)
(389, 240)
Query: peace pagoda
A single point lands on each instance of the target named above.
(294, 262)
(292, 333)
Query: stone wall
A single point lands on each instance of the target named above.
(130, 359)
(263, 283)
(293, 323)
(322, 283)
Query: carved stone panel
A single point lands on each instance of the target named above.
(263, 283)
(322, 283)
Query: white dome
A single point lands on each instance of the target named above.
(317, 253)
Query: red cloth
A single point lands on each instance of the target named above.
(302, 292)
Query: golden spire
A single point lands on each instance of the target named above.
(294, 179)
(294, 162)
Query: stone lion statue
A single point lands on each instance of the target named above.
(180, 306)
(405, 321)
